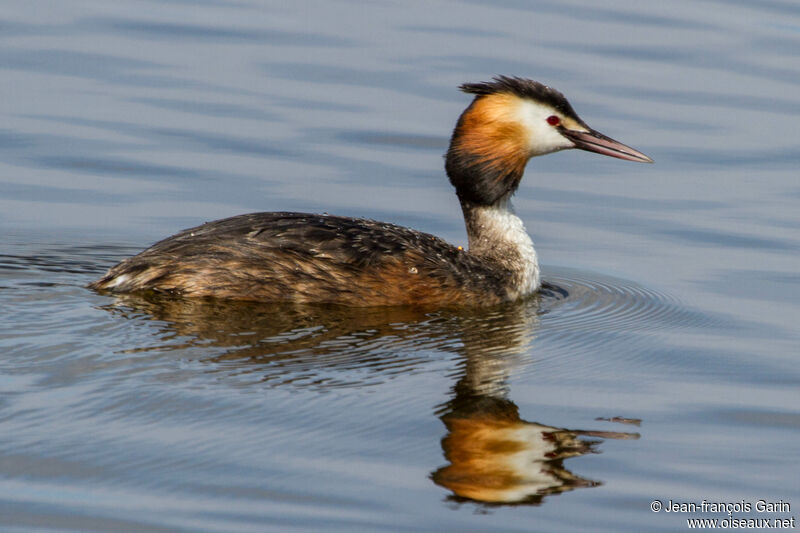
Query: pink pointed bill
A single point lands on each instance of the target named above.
(594, 141)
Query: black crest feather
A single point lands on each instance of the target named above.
(524, 88)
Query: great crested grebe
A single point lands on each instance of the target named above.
(307, 258)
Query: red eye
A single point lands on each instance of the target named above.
(553, 120)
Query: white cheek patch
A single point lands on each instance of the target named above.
(542, 137)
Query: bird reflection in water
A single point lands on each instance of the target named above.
(496, 457)
(493, 455)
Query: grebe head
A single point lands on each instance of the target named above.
(509, 121)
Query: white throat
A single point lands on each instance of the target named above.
(497, 233)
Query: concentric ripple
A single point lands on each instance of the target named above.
(572, 299)
(591, 326)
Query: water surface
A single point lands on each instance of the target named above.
(659, 363)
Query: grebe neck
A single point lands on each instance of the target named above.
(497, 235)
(485, 162)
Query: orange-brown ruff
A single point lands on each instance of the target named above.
(326, 259)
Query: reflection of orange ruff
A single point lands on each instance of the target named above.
(507, 461)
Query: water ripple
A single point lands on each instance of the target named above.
(573, 301)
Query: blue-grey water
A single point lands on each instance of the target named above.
(660, 363)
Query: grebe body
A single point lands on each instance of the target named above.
(307, 258)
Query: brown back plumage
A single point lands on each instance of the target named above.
(309, 258)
